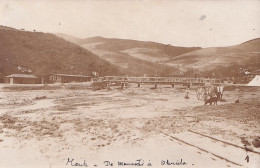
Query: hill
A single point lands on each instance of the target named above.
(138, 49)
(120, 52)
(131, 55)
(44, 54)
(211, 58)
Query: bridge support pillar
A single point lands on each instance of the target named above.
(107, 86)
(155, 85)
(172, 85)
(139, 84)
(124, 85)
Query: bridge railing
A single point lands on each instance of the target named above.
(161, 79)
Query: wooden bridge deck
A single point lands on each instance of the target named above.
(162, 80)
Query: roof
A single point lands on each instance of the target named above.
(21, 76)
(255, 81)
(70, 75)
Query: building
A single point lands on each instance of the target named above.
(65, 78)
(21, 79)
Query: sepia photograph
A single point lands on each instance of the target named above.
(130, 83)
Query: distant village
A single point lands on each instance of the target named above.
(26, 76)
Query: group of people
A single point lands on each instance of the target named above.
(209, 92)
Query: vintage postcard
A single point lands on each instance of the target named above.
(129, 83)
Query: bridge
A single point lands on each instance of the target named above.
(160, 80)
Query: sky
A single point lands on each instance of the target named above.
(204, 23)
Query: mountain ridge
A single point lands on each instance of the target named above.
(45, 53)
(182, 58)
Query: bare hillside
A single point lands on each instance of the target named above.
(124, 53)
(210, 58)
(44, 53)
(135, 57)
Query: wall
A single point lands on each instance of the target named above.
(23, 80)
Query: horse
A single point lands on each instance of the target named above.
(211, 100)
